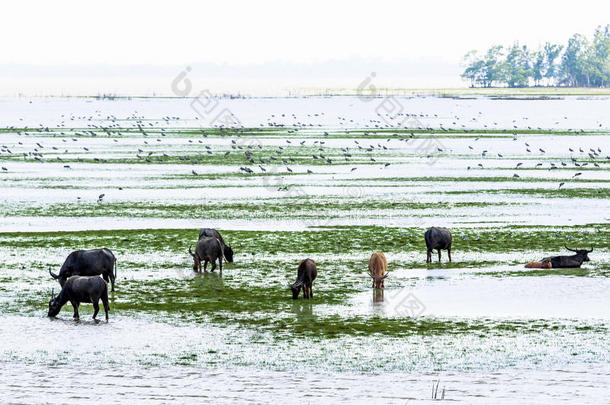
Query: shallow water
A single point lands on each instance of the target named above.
(489, 329)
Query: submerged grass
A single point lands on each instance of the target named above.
(253, 293)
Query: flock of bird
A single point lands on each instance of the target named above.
(42, 143)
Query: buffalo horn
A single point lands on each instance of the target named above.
(379, 277)
(55, 276)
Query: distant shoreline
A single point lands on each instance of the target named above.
(378, 92)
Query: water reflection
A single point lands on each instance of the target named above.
(377, 295)
(302, 309)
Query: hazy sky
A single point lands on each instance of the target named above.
(58, 37)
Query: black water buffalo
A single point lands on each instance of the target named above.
(575, 260)
(79, 289)
(92, 262)
(306, 274)
(437, 238)
(213, 233)
(208, 249)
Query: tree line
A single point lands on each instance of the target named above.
(580, 63)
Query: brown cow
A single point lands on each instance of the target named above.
(544, 264)
(378, 265)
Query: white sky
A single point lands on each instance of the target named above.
(179, 33)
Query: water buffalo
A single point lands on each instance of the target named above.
(213, 233)
(378, 266)
(92, 262)
(79, 289)
(575, 260)
(306, 274)
(437, 238)
(208, 249)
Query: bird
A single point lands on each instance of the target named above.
(194, 172)
(561, 184)
(100, 197)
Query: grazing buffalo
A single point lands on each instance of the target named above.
(575, 260)
(213, 233)
(306, 274)
(92, 262)
(378, 265)
(208, 249)
(79, 289)
(437, 238)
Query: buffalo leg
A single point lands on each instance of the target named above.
(220, 264)
(96, 307)
(112, 280)
(105, 302)
(310, 292)
(213, 265)
(205, 266)
(439, 255)
(75, 306)
(429, 256)
(449, 253)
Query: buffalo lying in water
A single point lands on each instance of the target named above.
(79, 289)
(213, 233)
(437, 238)
(378, 265)
(92, 262)
(562, 262)
(306, 274)
(208, 249)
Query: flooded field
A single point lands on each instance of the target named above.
(330, 178)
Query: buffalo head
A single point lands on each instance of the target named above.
(228, 253)
(378, 280)
(54, 306)
(582, 252)
(296, 288)
(61, 277)
(195, 259)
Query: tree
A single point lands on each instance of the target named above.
(598, 58)
(517, 69)
(492, 66)
(573, 62)
(474, 68)
(551, 69)
(580, 63)
(538, 66)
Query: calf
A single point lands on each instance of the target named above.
(437, 238)
(544, 264)
(378, 266)
(79, 289)
(306, 274)
(208, 249)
